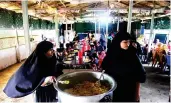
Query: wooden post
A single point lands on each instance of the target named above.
(118, 21)
(17, 47)
(95, 26)
(130, 16)
(71, 26)
(151, 33)
(56, 20)
(99, 27)
(26, 26)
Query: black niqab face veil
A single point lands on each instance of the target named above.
(32, 73)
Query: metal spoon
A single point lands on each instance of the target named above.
(100, 77)
(67, 81)
(62, 82)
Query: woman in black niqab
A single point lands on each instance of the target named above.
(31, 75)
(124, 66)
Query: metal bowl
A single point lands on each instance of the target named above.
(78, 77)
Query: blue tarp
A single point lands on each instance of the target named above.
(142, 30)
(161, 37)
(82, 35)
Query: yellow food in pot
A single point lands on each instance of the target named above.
(87, 89)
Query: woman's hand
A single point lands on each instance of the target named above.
(135, 45)
(48, 80)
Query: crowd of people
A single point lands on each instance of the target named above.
(119, 59)
(159, 54)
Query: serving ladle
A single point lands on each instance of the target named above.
(100, 77)
(67, 81)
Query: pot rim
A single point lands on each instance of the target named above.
(61, 76)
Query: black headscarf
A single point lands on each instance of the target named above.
(115, 49)
(118, 61)
(138, 49)
(123, 26)
(32, 73)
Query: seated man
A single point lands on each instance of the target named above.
(68, 47)
(99, 47)
(93, 49)
(60, 55)
(94, 61)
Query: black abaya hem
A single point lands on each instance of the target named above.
(46, 94)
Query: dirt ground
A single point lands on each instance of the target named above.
(156, 88)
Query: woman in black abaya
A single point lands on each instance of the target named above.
(36, 74)
(124, 66)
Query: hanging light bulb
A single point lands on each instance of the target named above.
(111, 6)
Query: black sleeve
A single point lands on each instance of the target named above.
(139, 49)
(105, 65)
(58, 70)
(141, 73)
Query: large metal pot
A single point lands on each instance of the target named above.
(77, 77)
